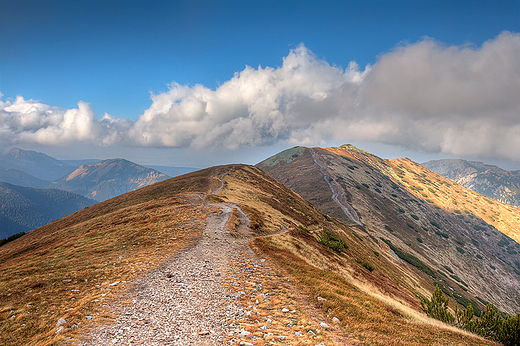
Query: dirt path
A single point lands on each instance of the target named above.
(338, 194)
(184, 302)
(216, 293)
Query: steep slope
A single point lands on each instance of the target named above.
(467, 256)
(488, 180)
(108, 178)
(34, 163)
(76, 267)
(23, 209)
(17, 177)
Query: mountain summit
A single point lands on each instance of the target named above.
(108, 178)
(37, 164)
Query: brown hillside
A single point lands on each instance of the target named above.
(472, 261)
(76, 266)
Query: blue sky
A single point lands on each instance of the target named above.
(113, 54)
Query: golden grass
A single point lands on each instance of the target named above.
(365, 314)
(453, 197)
(69, 272)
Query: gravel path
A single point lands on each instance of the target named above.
(216, 293)
(184, 302)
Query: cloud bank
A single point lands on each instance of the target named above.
(460, 100)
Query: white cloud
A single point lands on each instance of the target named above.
(458, 100)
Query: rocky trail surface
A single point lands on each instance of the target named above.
(216, 293)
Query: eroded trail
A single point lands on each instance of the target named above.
(338, 195)
(184, 302)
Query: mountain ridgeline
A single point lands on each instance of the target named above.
(108, 178)
(466, 243)
(355, 275)
(488, 180)
(364, 240)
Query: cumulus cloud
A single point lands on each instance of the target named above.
(461, 100)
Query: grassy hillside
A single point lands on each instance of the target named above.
(71, 267)
(473, 265)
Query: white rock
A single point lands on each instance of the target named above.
(60, 322)
(324, 325)
(321, 299)
(285, 310)
(335, 320)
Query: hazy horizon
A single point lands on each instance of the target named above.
(202, 83)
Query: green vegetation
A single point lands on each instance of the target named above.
(437, 307)
(11, 238)
(459, 280)
(366, 265)
(410, 259)
(503, 242)
(435, 224)
(389, 229)
(333, 242)
(448, 269)
(444, 235)
(490, 324)
(459, 249)
(414, 216)
(365, 185)
(304, 229)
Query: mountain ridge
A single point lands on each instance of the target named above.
(393, 208)
(491, 181)
(24, 209)
(108, 178)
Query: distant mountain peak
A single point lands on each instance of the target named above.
(489, 180)
(109, 178)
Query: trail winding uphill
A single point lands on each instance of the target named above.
(338, 194)
(184, 301)
(216, 293)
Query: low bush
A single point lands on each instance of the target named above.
(333, 242)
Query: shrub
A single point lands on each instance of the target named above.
(366, 265)
(459, 249)
(437, 307)
(389, 229)
(333, 242)
(304, 229)
(435, 224)
(448, 269)
(414, 216)
(409, 258)
(11, 238)
(419, 240)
